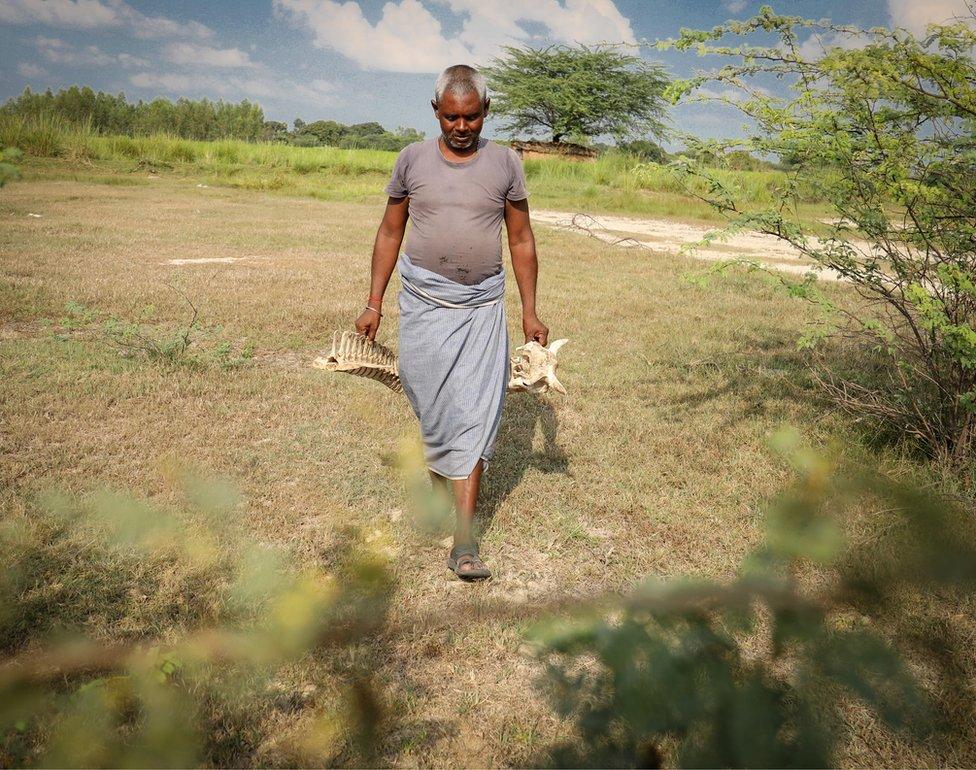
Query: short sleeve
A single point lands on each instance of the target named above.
(397, 187)
(517, 190)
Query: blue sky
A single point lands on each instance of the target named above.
(356, 61)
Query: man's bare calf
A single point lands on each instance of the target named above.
(465, 492)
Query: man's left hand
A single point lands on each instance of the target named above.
(534, 329)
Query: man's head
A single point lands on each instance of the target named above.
(460, 103)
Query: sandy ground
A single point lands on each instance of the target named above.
(666, 237)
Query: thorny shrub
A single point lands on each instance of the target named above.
(879, 124)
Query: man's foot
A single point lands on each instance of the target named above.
(466, 564)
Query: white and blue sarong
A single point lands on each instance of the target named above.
(454, 364)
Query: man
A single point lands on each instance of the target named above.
(453, 342)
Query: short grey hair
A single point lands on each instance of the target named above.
(460, 80)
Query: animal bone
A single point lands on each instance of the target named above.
(533, 367)
(356, 354)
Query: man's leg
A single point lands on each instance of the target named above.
(465, 492)
(465, 500)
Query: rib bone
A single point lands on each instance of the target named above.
(533, 367)
(356, 354)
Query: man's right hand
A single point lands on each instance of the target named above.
(367, 323)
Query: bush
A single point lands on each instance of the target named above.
(881, 128)
(40, 136)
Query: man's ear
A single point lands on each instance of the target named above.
(433, 104)
(487, 104)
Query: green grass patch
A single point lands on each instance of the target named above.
(614, 182)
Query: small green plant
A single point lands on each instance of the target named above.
(224, 354)
(77, 316)
(135, 338)
(183, 344)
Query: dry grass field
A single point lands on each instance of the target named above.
(656, 463)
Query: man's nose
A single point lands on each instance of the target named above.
(462, 125)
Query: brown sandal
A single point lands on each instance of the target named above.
(466, 564)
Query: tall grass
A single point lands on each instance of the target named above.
(49, 136)
(615, 181)
(622, 171)
(45, 136)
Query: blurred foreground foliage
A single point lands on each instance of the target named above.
(9, 158)
(210, 629)
(139, 634)
(758, 672)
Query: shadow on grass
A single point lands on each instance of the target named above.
(760, 378)
(514, 453)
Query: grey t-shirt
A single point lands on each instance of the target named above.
(457, 208)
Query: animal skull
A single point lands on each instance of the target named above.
(534, 368)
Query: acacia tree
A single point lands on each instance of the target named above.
(577, 91)
(880, 125)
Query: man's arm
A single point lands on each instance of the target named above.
(386, 249)
(521, 242)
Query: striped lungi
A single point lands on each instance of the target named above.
(454, 364)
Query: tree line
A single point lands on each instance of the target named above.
(200, 119)
(331, 133)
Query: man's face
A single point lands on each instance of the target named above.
(461, 119)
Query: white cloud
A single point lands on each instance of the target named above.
(84, 14)
(207, 56)
(320, 86)
(488, 25)
(233, 86)
(92, 14)
(734, 6)
(915, 15)
(409, 38)
(30, 70)
(128, 60)
(406, 39)
(159, 26)
(912, 15)
(817, 45)
(176, 82)
(60, 52)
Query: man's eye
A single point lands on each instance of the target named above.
(450, 117)
(473, 117)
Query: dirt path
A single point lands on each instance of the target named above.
(666, 237)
